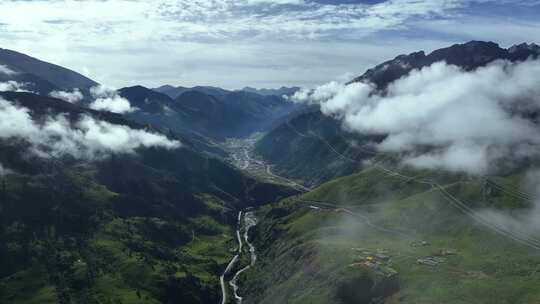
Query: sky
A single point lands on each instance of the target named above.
(258, 43)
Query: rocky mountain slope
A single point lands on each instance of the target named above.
(468, 56)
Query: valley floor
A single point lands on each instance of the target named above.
(242, 156)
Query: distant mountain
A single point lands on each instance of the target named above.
(151, 225)
(211, 112)
(174, 92)
(146, 100)
(43, 77)
(469, 56)
(277, 92)
(161, 111)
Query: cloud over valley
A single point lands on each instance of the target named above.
(445, 117)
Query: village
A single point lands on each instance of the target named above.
(242, 155)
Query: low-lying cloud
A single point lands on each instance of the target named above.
(444, 117)
(74, 96)
(86, 138)
(6, 70)
(107, 99)
(12, 86)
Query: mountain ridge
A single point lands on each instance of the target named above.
(468, 56)
(60, 77)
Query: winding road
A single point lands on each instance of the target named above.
(330, 206)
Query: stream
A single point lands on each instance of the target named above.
(246, 221)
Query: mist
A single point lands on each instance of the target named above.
(74, 96)
(6, 70)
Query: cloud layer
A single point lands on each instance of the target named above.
(86, 138)
(12, 86)
(71, 97)
(444, 117)
(107, 99)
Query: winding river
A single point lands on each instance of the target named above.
(246, 221)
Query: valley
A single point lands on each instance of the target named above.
(388, 252)
(242, 155)
(378, 190)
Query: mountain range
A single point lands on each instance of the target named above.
(214, 115)
(468, 56)
(201, 195)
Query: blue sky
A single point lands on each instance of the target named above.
(261, 43)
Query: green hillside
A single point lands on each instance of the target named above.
(148, 227)
(313, 148)
(376, 236)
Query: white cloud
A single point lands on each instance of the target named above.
(71, 97)
(471, 120)
(12, 86)
(107, 99)
(86, 138)
(6, 70)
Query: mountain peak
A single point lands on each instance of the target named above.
(524, 47)
(469, 56)
(480, 44)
